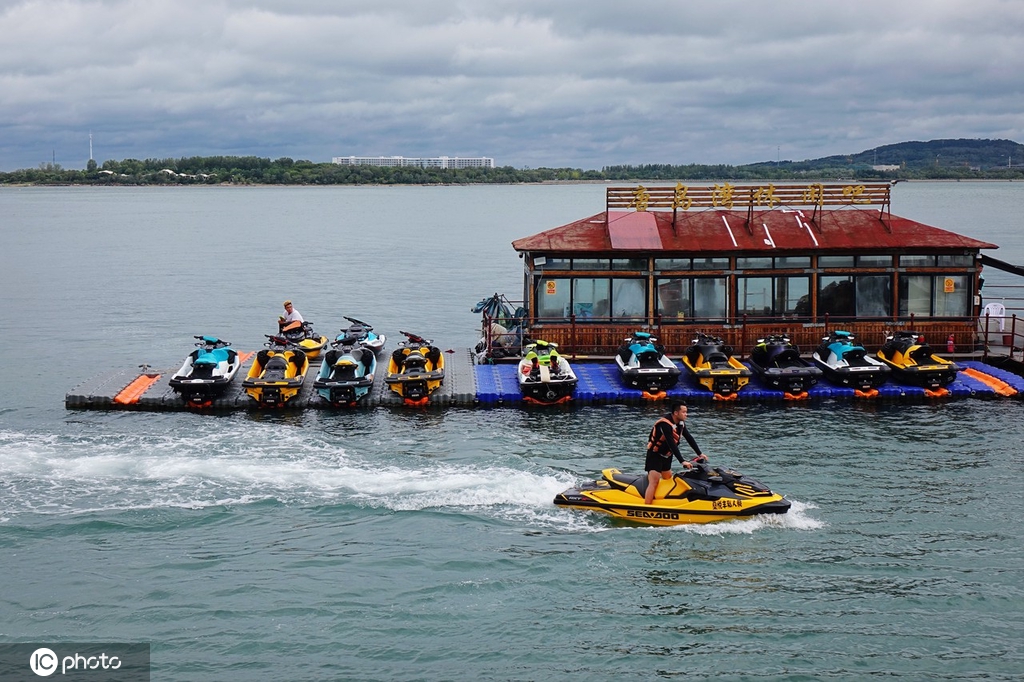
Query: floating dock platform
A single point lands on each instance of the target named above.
(468, 384)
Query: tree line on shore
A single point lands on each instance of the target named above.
(251, 170)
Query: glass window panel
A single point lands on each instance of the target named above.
(674, 299)
(915, 294)
(956, 261)
(590, 298)
(917, 261)
(950, 297)
(874, 261)
(672, 264)
(629, 263)
(629, 299)
(589, 263)
(792, 262)
(554, 264)
(710, 263)
(753, 263)
(836, 296)
(835, 261)
(754, 296)
(553, 297)
(792, 295)
(874, 295)
(710, 298)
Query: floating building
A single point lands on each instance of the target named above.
(743, 262)
(431, 162)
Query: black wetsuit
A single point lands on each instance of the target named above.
(663, 444)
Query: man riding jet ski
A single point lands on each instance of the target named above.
(702, 494)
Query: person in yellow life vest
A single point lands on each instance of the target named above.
(663, 445)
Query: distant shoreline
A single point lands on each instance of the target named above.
(540, 183)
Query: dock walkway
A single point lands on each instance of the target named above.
(467, 384)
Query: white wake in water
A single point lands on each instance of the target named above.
(47, 474)
(233, 466)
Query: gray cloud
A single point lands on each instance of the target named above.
(582, 84)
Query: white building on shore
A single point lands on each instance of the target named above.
(433, 162)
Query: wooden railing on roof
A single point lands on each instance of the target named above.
(727, 196)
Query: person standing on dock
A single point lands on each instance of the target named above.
(290, 315)
(663, 445)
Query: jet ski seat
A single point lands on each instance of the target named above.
(787, 356)
(718, 358)
(415, 361)
(275, 368)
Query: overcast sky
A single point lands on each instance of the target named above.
(530, 83)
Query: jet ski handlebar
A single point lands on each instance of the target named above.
(359, 322)
(415, 338)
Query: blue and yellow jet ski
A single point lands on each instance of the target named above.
(643, 364)
(846, 363)
(346, 373)
(701, 495)
(364, 335)
(207, 371)
(913, 362)
(415, 369)
(276, 374)
(714, 366)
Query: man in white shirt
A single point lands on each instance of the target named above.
(290, 315)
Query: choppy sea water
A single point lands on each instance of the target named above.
(394, 544)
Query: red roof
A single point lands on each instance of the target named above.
(770, 231)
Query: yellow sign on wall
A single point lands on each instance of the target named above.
(550, 287)
(948, 285)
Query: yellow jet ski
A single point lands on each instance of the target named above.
(701, 495)
(415, 369)
(913, 362)
(276, 374)
(302, 337)
(715, 368)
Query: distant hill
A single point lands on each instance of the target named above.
(976, 155)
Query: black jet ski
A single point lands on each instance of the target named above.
(714, 366)
(913, 362)
(847, 363)
(207, 371)
(777, 362)
(701, 495)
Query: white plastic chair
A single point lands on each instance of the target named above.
(997, 311)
